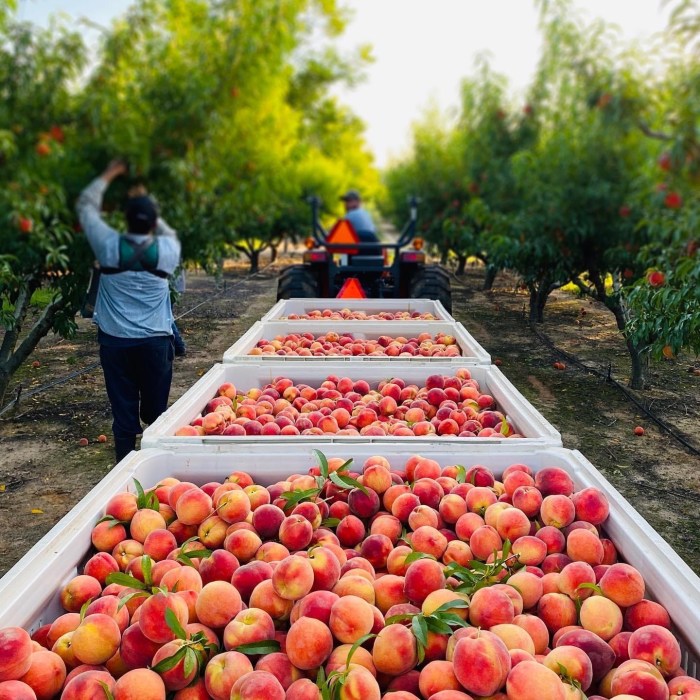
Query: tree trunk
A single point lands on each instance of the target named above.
(444, 255)
(490, 277)
(273, 253)
(461, 265)
(538, 300)
(4, 383)
(254, 257)
(639, 356)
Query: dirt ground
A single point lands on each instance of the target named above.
(44, 473)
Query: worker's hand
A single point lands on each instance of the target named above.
(115, 169)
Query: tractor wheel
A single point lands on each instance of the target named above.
(432, 282)
(297, 281)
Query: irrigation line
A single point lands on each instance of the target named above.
(88, 368)
(607, 376)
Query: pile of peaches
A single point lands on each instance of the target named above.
(425, 582)
(350, 315)
(332, 344)
(445, 405)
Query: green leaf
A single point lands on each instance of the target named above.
(170, 662)
(147, 568)
(346, 482)
(330, 522)
(268, 646)
(174, 624)
(292, 498)
(451, 605)
(419, 626)
(591, 586)
(191, 662)
(354, 647)
(123, 601)
(84, 608)
(107, 691)
(322, 462)
(128, 580)
(400, 618)
(461, 474)
(435, 624)
(415, 556)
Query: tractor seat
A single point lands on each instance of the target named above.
(368, 260)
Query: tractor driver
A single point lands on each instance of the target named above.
(361, 221)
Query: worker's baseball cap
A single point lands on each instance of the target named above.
(351, 195)
(141, 214)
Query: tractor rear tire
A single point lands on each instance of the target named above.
(297, 281)
(432, 282)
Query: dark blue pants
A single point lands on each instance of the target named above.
(138, 381)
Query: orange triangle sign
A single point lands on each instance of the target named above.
(343, 232)
(351, 289)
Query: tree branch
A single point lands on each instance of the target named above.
(652, 133)
(12, 334)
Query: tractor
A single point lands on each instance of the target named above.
(344, 265)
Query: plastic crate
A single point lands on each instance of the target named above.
(472, 352)
(520, 412)
(29, 591)
(285, 307)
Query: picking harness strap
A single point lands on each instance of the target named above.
(137, 257)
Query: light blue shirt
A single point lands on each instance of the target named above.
(360, 220)
(130, 304)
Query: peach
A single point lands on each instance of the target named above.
(126, 551)
(136, 649)
(179, 676)
(454, 695)
(530, 550)
(467, 525)
(528, 499)
(423, 576)
(646, 612)
(309, 643)
(293, 578)
(388, 591)
(139, 684)
(351, 618)
(122, 506)
(16, 690)
(557, 610)
(428, 540)
(557, 511)
(338, 660)
(244, 544)
(303, 689)
(623, 584)
(326, 568)
(452, 507)
(458, 552)
(481, 663)
(359, 583)
(591, 505)
(46, 674)
(109, 605)
(96, 639)
(107, 535)
(250, 625)
(639, 678)
(684, 687)
(437, 676)
(350, 531)
(537, 630)
(233, 506)
(530, 680)
(484, 541)
(376, 549)
(658, 646)
(184, 578)
(394, 651)
(553, 538)
(512, 524)
(279, 665)
(599, 652)
(64, 648)
(295, 532)
(88, 686)
(217, 604)
(396, 561)
(602, 616)
(359, 684)
(267, 519)
(78, 591)
(529, 586)
(257, 685)
(514, 637)
(422, 515)
(620, 646)
(402, 505)
(152, 618)
(583, 545)
(219, 566)
(248, 576)
(388, 525)
(554, 480)
(490, 607)
(265, 598)
(571, 662)
(158, 544)
(572, 576)
(222, 671)
(15, 653)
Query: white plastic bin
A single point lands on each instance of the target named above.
(520, 412)
(472, 352)
(284, 307)
(29, 591)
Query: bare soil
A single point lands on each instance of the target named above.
(44, 473)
